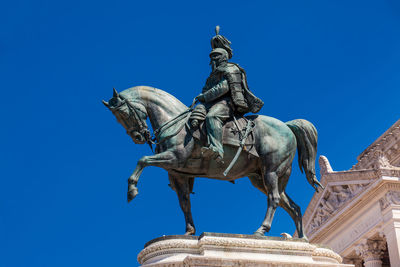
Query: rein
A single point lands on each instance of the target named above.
(169, 123)
(152, 139)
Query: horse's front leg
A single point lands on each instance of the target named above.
(164, 160)
(183, 186)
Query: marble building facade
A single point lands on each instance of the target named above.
(358, 212)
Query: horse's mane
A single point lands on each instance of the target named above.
(140, 92)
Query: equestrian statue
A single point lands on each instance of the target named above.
(214, 139)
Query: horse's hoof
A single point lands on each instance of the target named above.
(190, 231)
(132, 194)
(304, 239)
(257, 233)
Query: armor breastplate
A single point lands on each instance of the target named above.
(214, 78)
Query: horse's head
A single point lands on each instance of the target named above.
(132, 115)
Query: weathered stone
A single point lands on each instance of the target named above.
(358, 213)
(212, 249)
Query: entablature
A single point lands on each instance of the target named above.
(343, 191)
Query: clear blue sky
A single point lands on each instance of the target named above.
(65, 161)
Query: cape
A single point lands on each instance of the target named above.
(254, 103)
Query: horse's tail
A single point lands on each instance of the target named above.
(306, 137)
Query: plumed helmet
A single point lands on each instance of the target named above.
(219, 41)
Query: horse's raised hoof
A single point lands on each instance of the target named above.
(132, 194)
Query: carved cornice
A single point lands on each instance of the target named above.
(373, 192)
(379, 160)
(352, 175)
(357, 175)
(388, 143)
(330, 177)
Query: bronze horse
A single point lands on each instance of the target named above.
(275, 143)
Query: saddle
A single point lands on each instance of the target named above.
(233, 130)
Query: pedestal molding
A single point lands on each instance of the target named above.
(235, 250)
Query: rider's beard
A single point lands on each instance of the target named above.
(213, 64)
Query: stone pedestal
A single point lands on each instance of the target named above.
(212, 249)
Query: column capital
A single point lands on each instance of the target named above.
(371, 250)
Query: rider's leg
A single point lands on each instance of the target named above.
(216, 116)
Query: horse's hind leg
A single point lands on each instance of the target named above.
(271, 184)
(183, 186)
(294, 211)
(258, 183)
(289, 206)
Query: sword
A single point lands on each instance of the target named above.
(249, 127)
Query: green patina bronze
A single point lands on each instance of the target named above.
(258, 147)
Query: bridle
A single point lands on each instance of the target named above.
(142, 128)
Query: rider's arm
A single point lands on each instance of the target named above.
(217, 91)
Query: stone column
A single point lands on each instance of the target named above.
(390, 205)
(371, 252)
(392, 234)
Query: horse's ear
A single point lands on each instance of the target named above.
(115, 93)
(105, 103)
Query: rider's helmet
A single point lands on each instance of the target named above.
(219, 41)
(218, 56)
(219, 52)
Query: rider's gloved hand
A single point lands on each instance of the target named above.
(201, 98)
